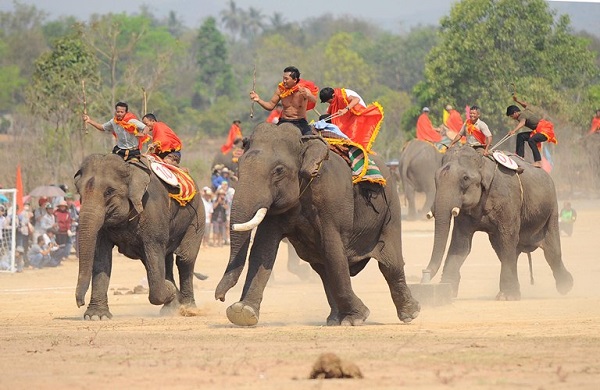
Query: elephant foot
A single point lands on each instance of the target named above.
(564, 283)
(170, 309)
(504, 296)
(409, 311)
(355, 319)
(97, 314)
(242, 315)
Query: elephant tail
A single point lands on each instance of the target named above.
(531, 281)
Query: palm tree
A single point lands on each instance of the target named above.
(232, 18)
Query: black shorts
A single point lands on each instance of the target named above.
(127, 154)
(301, 124)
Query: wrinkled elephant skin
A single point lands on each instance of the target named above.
(518, 210)
(335, 226)
(123, 204)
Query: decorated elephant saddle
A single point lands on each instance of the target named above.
(173, 176)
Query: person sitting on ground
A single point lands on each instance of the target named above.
(476, 131)
(296, 95)
(57, 252)
(541, 130)
(129, 131)
(165, 143)
(39, 254)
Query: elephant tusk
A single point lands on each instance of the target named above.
(429, 215)
(455, 211)
(251, 224)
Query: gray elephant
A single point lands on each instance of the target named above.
(291, 187)
(518, 211)
(126, 205)
(418, 162)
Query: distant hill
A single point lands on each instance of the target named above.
(584, 16)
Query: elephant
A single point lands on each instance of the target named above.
(291, 186)
(418, 162)
(518, 210)
(125, 204)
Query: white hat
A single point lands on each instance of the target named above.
(425, 109)
(224, 170)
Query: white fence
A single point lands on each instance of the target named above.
(8, 217)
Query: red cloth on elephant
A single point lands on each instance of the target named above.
(361, 124)
(131, 128)
(235, 132)
(425, 130)
(285, 92)
(165, 139)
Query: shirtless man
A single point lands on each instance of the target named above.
(296, 97)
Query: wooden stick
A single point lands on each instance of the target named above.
(84, 106)
(145, 100)
(253, 90)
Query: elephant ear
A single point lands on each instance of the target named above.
(487, 169)
(138, 183)
(315, 150)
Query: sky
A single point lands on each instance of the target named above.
(394, 15)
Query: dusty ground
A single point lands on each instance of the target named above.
(544, 341)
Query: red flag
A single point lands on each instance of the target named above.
(19, 190)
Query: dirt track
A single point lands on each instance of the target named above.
(544, 341)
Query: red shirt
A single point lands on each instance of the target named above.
(164, 138)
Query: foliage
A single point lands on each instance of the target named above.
(486, 47)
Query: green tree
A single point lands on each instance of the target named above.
(347, 68)
(54, 94)
(486, 46)
(216, 76)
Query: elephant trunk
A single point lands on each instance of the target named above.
(91, 220)
(443, 218)
(247, 213)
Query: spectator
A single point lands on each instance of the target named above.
(207, 201)
(219, 218)
(39, 254)
(74, 212)
(63, 223)
(57, 252)
(567, 218)
(47, 221)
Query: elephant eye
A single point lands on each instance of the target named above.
(278, 171)
(109, 191)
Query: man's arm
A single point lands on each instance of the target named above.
(460, 133)
(352, 101)
(98, 126)
(519, 126)
(523, 104)
(270, 105)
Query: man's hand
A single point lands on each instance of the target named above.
(254, 96)
(86, 118)
(512, 132)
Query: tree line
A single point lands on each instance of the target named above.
(197, 79)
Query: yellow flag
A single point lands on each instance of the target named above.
(445, 117)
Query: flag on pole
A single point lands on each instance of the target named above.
(19, 190)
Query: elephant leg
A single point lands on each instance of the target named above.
(409, 191)
(391, 266)
(352, 311)
(505, 248)
(246, 312)
(98, 306)
(553, 255)
(186, 261)
(460, 247)
(161, 290)
(429, 197)
(334, 315)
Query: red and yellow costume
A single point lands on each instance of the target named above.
(234, 133)
(425, 130)
(475, 132)
(595, 128)
(361, 123)
(547, 128)
(165, 139)
(285, 92)
(130, 128)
